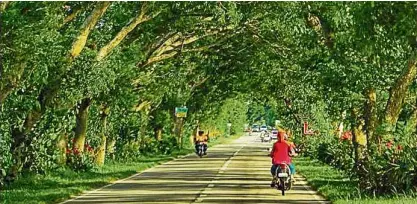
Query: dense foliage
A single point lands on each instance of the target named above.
(85, 81)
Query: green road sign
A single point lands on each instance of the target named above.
(181, 112)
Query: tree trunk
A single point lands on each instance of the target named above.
(415, 117)
(144, 115)
(62, 148)
(195, 133)
(21, 141)
(110, 143)
(101, 151)
(412, 122)
(87, 27)
(340, 127)
(359, 137)
(3, 6)
(396, 98)
(133, 23)
(158, 133)
(4, 93)
(81, 123)
(371, 116)
(178, 131)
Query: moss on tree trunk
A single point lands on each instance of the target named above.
(62, 147)
(370, 113)
(101, 151)
(110, 144)
(81, 124)
(396, 98)
(158, 133)
(359, 137)
(21, 141)
(178, 130)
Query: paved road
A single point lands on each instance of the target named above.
(232, 173)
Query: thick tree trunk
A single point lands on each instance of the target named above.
(21, 141)
(62, 148)
(110, 144)
(158, 133)
(371, 116)
(178, 130)
(359, 137)
(81, 124)
(360, 148)
(101, 151)
(396, 98)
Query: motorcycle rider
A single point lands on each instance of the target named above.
(201, 137)
(293, 152)
(281, 152)
(263, 134)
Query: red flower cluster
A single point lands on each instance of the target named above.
(88, 148)
(347, 135)
(71, 149)
(74, 151)
(390, 143)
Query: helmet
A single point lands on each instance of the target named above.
(281, 136)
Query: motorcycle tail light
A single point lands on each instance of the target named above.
(283, 166)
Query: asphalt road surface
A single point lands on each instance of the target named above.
(237, 172)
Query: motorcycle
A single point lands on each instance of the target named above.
(200, 149)
(264, 136)
(283, 175)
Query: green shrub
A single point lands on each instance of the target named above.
(165, 146)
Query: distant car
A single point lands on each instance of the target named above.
(263, 128)
(274, 134)
(255, 128)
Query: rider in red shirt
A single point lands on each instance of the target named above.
(280, 154)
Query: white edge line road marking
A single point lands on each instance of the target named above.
(86, 193)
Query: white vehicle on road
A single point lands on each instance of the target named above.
(264, 128)
(255, 128)
(274, 134)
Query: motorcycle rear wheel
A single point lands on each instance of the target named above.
(282, 186)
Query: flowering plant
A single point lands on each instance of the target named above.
(80, 160)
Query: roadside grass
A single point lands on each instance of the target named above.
(59, 185)
(336, 186)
